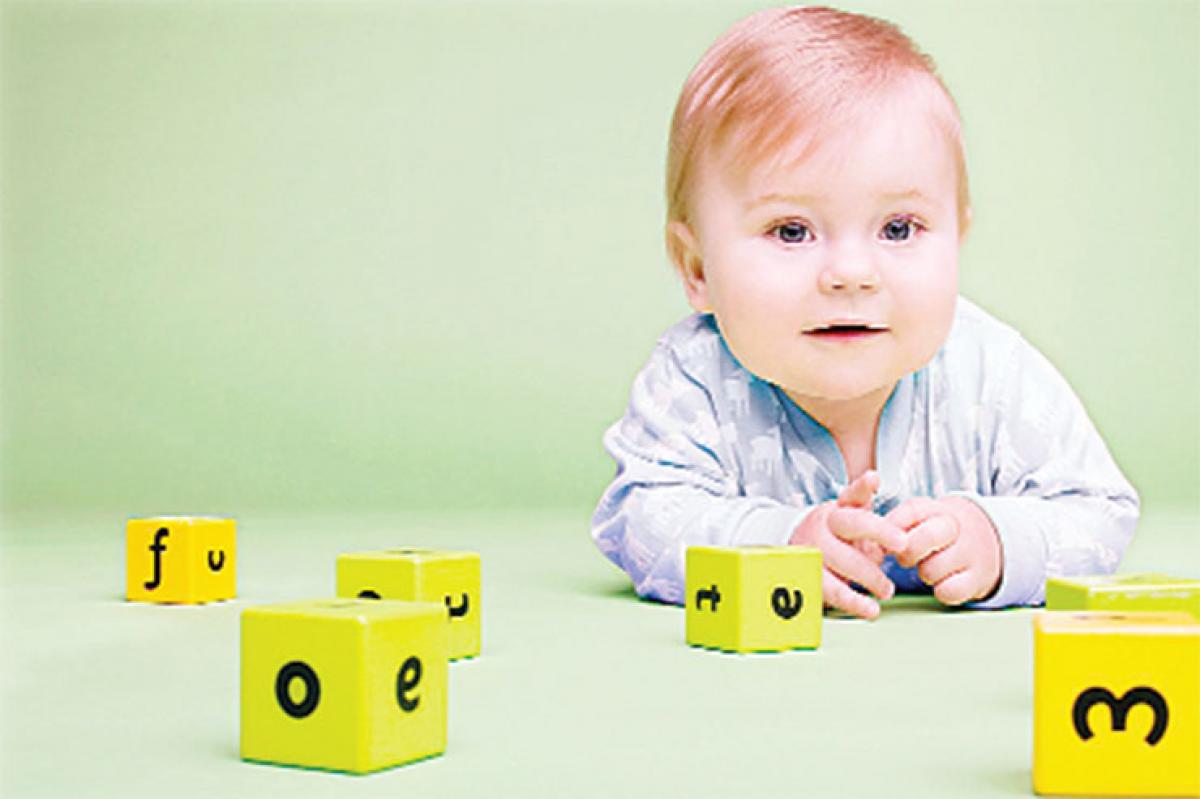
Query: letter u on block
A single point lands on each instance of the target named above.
(452, 579)
(180, 559)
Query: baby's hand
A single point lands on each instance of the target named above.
(849, 535)
(954, 545)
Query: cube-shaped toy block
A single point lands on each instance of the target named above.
(180, 559)
(452, 579)
(754, 599)
(1150, 592)
(344, 684)
(1116, 704)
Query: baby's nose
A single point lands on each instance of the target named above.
(850, 276)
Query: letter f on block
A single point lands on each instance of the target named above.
(711, 594)
(158, 547)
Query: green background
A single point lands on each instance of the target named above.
(367, 257)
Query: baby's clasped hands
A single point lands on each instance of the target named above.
(954, 546)
(951, 541)
(853, 541)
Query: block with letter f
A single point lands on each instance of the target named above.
(180, 559)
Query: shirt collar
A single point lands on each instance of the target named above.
(895, 423)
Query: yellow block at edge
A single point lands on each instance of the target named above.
(1116, 704)
(1150, 592)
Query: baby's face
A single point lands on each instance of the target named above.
(836, 276)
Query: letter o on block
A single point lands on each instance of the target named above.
(1116, 704)
(754, 599)
(346, 684)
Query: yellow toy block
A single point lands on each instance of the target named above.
(421, 575)
(180, 559)
(1151, 592)
(753, 599)
(344, 684)
(1116, 704)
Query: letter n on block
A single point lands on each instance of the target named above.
(344, 684)
(1116, 704)
(422, 575)
(753, 599)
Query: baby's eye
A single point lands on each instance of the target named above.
(792, 232)
(902, 228)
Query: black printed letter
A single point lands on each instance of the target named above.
(297, 670)
(711, 594)
(404, 684)
(1120, 710)
(158, 547)
(786, 605)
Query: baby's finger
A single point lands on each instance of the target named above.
(956, 589)
(861, 491)
(871, 550)
(940, 565)
(912, 512)
(856, 524)
(854, 567)
(930, 536)
(843, 597)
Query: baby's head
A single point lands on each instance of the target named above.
(817, 197)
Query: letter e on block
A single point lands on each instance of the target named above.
(753, 599)
(1116, 704)
(343, 684)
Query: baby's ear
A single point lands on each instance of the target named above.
(685, 255)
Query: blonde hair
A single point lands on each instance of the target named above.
(781, 75)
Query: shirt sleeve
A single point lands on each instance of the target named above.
(675, 484)
(1059, 502)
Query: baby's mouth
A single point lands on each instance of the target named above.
(845, 331)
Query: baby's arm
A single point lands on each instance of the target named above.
(1058, 504)
(676, 487)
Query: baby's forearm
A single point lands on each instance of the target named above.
(1056, 536)
(645, 530)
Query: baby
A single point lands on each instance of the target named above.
(833, 390)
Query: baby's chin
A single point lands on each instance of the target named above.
(827, 391)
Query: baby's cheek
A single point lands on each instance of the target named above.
(926, 323)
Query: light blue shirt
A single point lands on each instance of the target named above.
(707, 453)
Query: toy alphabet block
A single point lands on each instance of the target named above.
(180, 559)
(421, 575)
(753, 599)
(344, 684)
(1116, 704)
(1150, 592)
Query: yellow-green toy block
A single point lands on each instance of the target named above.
(180, 559)
(1116, 704)
(450, 578)
(753, 599)
(344, 684)
(1149, 592)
